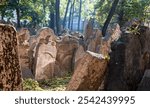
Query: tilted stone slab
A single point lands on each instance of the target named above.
(89, 73)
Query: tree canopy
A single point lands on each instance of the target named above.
(126, 10)
(61, 14)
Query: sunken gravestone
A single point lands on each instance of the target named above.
(10, 72)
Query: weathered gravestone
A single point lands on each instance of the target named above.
(45, 55)
(66, 47)
(10, 71)
(89, 73)
(23, 39)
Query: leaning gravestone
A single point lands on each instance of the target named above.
(10, 72)
(89, 73)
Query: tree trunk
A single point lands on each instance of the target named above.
(57, 16)
(17, 8)
(18, 17)
(64, 21)
(110, 15)
(52, 16)
(52, 21)
(79, 20)
(69, 21)
(2, 15)
(72, 17)
(44, 11)
(121, 13)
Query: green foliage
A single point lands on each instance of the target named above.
(31, 85)
(37, 12)
(136, 9)
(88, 9)
(33, 10)
(103, 7)
(139, 9)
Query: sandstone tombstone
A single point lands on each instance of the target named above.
(113, 35)
(46, 33)
(88, 30)
(94, 41)
(45, 55)
(10, 71)
(32, 50)
(79, 55)
(23, 36)
(66, 47)
(89, 73)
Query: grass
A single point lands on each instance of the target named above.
(55, 84)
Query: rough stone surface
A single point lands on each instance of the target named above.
(145, 83)
(23, 36)
(130, 58)
(88, 31)
(79, 55)
(66, 48)
(60, 59)
(89, 73)
(45, 55)
(32, 51)
(45, 60)
(94, 41)
(113, 35)
(10, 71)
(46, 33)
(24, 46)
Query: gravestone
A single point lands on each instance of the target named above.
(10, 71)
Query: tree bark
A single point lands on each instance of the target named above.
(57, 16)
(17, 8)
(52, 16)
(72, 17)
(110, 15)
(69, 21)
(2, 15)
(79, 15)
(64, 21)
(18, 17)
(44, 11)
(121, 13)
(52, 21)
